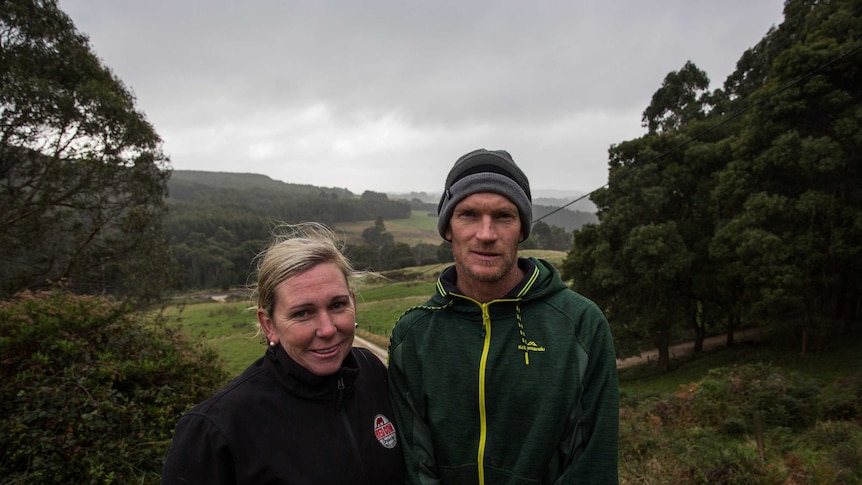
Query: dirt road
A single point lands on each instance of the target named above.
(680, 350)
(686, 349)
(376, 349)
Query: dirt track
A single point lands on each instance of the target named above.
(686, 349)
(680, 350)
(376, 349)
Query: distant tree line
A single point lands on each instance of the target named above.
(741, 205)
(218, 222)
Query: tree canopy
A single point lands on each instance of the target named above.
(82, 174)
(739, 206)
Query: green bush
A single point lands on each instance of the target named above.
(705, 432)
(831, 452)
(90, 391)
(730, 397)
(845, 399)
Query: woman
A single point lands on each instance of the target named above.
(313, 409)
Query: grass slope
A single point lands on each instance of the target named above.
(419, 228)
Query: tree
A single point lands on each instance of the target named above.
(546, 236)
(792, 192)
(638, 262)
(82, 174)
(750, 213)
(683, 97)
(425, 253)
(444, 252)
(397, 256)
(376, 235)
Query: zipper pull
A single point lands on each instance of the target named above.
(486, 319)
(340, 398)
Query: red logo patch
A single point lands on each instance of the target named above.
(384, 431)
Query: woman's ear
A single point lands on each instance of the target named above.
(267, 326)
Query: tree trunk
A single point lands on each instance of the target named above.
(663, 346)
(731, 327)
(699, 328)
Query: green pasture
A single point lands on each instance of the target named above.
(419, 228)
(228, 327)
(380, 305)
(231, 327)
(826, 367)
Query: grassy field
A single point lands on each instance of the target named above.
(782, 351)
(419, 228)
(231, 327)
(228, 327)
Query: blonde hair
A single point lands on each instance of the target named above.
(296, 249)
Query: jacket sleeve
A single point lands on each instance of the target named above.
(597, 462)
(418, 449)
(199, 454)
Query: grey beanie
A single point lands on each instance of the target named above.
(486, 171)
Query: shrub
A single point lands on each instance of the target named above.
(90, 391)
(705, 433)
(729, 397)
(831, 452)
(845, 399)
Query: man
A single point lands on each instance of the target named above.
(504, 376)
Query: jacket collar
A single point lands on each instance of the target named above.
(448, 282)
(302, 383)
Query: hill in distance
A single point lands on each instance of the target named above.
(546, 197)
(185, 184)
(245, 181)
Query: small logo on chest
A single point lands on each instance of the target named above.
(531, 346)
(384, 431)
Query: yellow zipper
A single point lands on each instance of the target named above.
(483, 424)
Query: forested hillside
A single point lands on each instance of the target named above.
(740, 205)
(217, 222)
(564, 218)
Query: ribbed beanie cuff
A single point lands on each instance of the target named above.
(486, 171)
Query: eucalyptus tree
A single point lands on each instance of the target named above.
(82, 174)
(639, 260)
(682, 98)
(792, 191)
(647, 259)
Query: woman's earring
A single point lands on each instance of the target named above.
(271, 344)
(355, 324)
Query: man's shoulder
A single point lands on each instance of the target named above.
(572, 303)
(418, 314)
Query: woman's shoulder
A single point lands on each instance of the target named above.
(237, 390)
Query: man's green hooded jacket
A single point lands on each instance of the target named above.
(518, 390)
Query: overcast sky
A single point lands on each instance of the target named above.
(385, 95)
